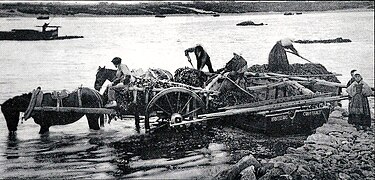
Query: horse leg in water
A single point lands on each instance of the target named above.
(93, 121)
(43, 123)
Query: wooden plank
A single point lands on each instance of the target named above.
(76, 110)
(269, 86)
(285, 75)
(232, 112)
(273, 101)
(316, 81)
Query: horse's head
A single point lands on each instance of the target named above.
(11, 110)
(102, 75)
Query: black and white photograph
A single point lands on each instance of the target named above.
(239, 90)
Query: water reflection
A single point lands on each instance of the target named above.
(170, 152)
(58, 156)
(12, 147)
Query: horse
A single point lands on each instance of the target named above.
(102, 75)
(89, 99)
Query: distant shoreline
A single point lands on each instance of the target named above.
(194, 8)
(24, 15)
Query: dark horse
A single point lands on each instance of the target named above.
(89, 98)
(102, 75)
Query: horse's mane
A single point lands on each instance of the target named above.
(16, 100)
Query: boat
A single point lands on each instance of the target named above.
(33, 35)
(216, 15)
(28, 34)
(42, 17)
(298, 13)
(284, 121)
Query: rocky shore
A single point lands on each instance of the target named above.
(336, 151)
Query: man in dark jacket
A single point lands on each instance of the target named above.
(202, 57)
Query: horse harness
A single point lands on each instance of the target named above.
(37, 97)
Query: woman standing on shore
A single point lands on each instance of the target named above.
(359, 110)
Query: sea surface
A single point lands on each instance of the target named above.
(149, 42)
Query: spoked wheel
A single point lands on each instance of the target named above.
(173, 106)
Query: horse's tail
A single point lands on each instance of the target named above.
(100, 104)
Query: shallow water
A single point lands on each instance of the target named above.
(73, 151)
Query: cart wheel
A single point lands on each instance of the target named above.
(173, 106)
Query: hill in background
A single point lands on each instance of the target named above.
(152, 8)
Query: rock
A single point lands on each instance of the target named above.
(323, 139)
(355, 176)
(344, 176)
(288, 168)
(249, 23)
(235, 170)
(301, 171)
(265, 167)
(248, 173)
(274, 173)
(286, 177)
(337, 40)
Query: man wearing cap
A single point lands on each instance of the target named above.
(201, 56)
(277, 59)
(122, 79)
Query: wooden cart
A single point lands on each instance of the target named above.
(272, 107)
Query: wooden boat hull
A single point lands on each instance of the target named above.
(300, 121)
(28, 34)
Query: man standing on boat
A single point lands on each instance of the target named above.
(277, 59)
(44, 27)
(201, 56)
(122, 80)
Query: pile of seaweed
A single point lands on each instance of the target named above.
(299, 69)
(228, 98)
(337, 40)
(189, 76)
(304, 69)
(234, 96)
